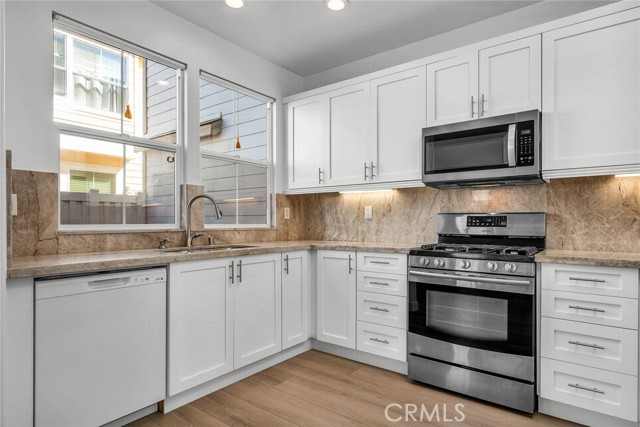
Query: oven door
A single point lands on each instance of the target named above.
(493, 313)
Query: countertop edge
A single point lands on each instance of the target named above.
(593, 258)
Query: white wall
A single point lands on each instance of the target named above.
(3, 210)
(493, 27)
(29, 128)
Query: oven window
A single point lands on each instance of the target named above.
(468, 316)
(471, 317)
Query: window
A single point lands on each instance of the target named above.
(116, 107)
(235, 145)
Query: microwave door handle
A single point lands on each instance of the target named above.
(511, 145)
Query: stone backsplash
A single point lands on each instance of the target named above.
(597, 213)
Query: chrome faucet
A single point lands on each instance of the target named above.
(189, 204)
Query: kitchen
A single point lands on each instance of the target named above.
(318, 198)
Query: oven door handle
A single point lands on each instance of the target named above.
(472, 278)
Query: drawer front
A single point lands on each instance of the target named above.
(586, 279)
(382, 340)
(382, 262)
(607, 392)
(389, 310)
(601, 310)
(602, 347)
(383, 283)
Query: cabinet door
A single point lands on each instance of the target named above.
(591, 96)
(452, 90)
(337, 298)
(398, 111)
(306, 141)
(510, 77)
(257, 312)
(200, 323)
(349, 144)
(295, 298)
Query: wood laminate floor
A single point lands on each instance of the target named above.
(317, 389)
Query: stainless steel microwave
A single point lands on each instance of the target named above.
(501, 150)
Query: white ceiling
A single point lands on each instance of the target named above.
(304, 37)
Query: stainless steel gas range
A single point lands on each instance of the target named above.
(472, 307)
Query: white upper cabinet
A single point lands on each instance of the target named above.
(498, 80)
(591, 97)
(348, 129)
(306, 136)
(509, 77)
(398, 111)
(452, 90)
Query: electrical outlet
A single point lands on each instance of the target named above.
(368, 212)
(287, 213)
(14, 205)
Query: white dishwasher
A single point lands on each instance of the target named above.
(100, 346)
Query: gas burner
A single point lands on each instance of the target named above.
(480, 249)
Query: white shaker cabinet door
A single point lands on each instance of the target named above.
(306, 141)
(295, 298)
(509, 77)
(591, 97)
(452, 90)
(398, 111)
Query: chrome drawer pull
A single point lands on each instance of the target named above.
(380, 262)
(579, 307)
(586, 279)
(379, 283)
(379, 340)
(386, 310)
(595, 390)
(599, 347)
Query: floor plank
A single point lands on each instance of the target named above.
(319, 389)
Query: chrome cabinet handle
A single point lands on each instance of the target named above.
(231, 269)
(599, 347)
(595, 390)
(350, 268)
(239, 271)
(366, 171)
(320, 176)
(372, 167)
(379, 340)
(586, 279)
(482, 101)
(286, 264)
(379, 283)
(473, 113)
(380, 262)
(579, 307)
(386, 310)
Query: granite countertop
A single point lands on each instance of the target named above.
(598, 258)
(50, 265)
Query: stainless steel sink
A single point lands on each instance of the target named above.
(200, 249)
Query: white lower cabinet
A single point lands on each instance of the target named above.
(295, 298)
(382, 340)
(223, 314)
(589, 338)
(336, 282)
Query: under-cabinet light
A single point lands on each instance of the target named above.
(625, 175)
(366, 191)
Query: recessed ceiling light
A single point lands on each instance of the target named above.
(236, 4)
(336, 4)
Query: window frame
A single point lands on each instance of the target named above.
(67, 24)
(267, 163)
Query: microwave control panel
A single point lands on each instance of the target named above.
(525, 146)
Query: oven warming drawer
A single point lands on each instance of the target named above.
(506, 392)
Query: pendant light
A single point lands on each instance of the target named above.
(127, 113)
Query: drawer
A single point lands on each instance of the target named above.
(602, 347)
(384, 283)
(607, 392)
(586, 279)
(382, 262)
(382, 340)
(389, 310)
(601, 310)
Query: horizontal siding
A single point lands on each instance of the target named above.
(161, 102)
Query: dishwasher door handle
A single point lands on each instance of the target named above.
(109, 283)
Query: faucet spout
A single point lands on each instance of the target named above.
(190, 204)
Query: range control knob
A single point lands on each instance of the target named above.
(423, 261)
(510, 268)
(438, 262)
(492, 266)
(465, 264)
